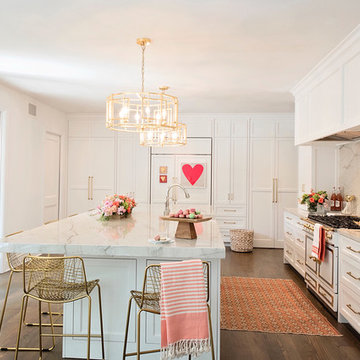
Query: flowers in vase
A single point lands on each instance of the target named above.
(116, 205)
(313, 199)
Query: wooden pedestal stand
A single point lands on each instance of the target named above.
(185, 228)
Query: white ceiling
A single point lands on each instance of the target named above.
(216, 55)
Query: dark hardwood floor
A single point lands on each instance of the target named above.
(234, 344)
(268, 263)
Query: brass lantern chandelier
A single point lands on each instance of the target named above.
(142, 111)
(164, 137)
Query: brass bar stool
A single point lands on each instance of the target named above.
(15, 262)
(148, 300)
(58, 280)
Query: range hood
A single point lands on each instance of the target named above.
(346, 135)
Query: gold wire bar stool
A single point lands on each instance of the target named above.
(148, 300)
(15, 263)
(58, 280)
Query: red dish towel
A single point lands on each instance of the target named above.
(184, 317)
(318, 245)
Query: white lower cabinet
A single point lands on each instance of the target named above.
(349, 281)
(294, 243)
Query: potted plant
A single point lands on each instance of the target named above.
(314, 199)
(116, 205)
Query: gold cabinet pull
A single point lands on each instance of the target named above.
(289, 218)
(92, 188)
(298, 261)
(289, 233)
(315, 259)
(230, 222)
(299, 240)
(351, 249)
(290, 253)
(229, 210)
(276, 190)
(354, 277)
(273, 191)
(88, 187)
(350, 307)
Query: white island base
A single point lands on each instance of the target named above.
(117, 252)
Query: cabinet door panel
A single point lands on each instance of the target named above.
(239, 171)
(352, 92)
(222, 171)
(222, 128)
(262, 164)
(79, 162)
(239, 128)
(263, 128)
(287, 165)
(262, 218)
(326, 106)
(103, 163)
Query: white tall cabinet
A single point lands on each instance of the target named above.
(272, 178)
(230, 173)
(102, 162)
(91, 161)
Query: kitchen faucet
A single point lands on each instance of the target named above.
(167, 208)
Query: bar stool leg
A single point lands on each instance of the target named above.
(138, 334)
(51, 324)
(101, 324)
(6, 298)
(19, 331)
(89, 329)
(40, 338)
(127, 328)
(211, 334)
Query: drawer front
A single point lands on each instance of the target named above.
(350, 273)
(231, 223)
(311, 281)
(290, 219)
(350, 248)
(299, 263)
(328, 297)
(289, 253)
(289, 232)
(349, 307)
(230, 211)
(300, 240)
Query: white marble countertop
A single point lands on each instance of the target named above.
(352, 234)
(297, 212)
(85, 235)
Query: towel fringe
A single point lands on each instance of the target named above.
(185, 347)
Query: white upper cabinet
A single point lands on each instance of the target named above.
(231, 126)
(352, 92)
(327, 100)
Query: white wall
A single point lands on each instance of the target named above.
(21, 198)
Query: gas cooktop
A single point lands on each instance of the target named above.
(337, 221)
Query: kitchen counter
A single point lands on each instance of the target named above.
(352, 234)
(297, 212)
(117, 252)
(85, 235)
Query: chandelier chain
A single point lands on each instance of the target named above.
(143, 47)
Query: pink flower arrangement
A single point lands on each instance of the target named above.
(116, 205)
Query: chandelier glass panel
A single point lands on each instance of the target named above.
(152, 114)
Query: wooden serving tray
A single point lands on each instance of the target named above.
(185, 228)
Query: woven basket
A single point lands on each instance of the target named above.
(241, 240)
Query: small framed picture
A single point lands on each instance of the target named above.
(163, 170)
(163, 179)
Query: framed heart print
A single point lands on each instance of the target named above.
(193, 175)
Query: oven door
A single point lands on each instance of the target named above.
(328, 269)
(309, 262)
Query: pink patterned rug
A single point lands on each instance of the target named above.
(270, 305)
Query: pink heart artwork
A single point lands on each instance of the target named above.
(192, 173)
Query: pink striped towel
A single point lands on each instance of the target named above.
(184, 317)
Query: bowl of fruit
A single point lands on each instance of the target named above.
(186, 219)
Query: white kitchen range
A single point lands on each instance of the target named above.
(180, 180)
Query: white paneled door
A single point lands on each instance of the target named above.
(52, 177)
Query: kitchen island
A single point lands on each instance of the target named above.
(117, 252)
